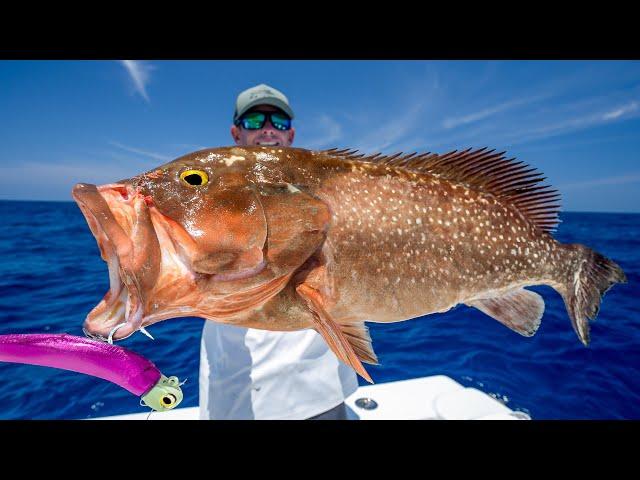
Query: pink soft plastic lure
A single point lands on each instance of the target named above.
(118, 365)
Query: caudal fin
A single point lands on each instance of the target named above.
(591, 276)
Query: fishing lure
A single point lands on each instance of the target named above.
(118, 365)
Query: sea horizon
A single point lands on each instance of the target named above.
(561, 211)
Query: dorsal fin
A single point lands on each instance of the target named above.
(480, 169)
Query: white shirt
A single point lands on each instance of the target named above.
(258, 374)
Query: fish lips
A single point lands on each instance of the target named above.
(131, 272)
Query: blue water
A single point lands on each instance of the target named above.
(51, 276)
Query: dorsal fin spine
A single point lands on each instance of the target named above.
(483, 170)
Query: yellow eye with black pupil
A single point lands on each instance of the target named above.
(168, 400)
(194, 178)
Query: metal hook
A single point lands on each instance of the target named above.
(114, 330)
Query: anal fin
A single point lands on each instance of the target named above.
(519, 309)
(350, 342)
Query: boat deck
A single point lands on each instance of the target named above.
(436, 397)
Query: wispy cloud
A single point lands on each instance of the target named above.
(140, 75)
(575, 123)
(402, 114)
(157, 156)
(188, 147)
(488, 112)
(390, 134)
(331, 132)
(630, 107)
(44, 179)
(617, 180)
(562, 145)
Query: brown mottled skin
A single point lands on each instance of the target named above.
(284, 239)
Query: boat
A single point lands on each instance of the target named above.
(436, 397)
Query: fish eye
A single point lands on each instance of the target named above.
(194, 178)
(168, 400)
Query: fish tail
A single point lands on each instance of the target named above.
(589, 277)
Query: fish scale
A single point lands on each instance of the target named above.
(425, 233)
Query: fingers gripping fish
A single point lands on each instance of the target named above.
(290, 239)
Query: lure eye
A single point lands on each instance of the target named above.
(194, 178)
(168, 400)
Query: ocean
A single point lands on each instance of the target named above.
(51, 276)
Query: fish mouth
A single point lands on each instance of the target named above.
(114, 212)
(130, 232)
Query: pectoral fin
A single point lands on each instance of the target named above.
(358, 336)
(348, 342)
(521, 310)
(298, 225)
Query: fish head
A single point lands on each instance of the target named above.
(211, 211)
(185, 236)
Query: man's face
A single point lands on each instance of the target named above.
(267, 135)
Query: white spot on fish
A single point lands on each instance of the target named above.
(232, 159)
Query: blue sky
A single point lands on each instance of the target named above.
(578, 122)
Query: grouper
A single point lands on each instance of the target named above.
(287, 239)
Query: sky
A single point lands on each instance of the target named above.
(578, 122)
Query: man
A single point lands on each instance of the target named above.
(258, 374)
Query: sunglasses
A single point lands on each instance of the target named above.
(256, 120)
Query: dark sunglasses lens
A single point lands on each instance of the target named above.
(253, 120)
(281, 122)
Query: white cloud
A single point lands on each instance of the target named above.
(390, 133)
(617, 180)
(47, 181)
(140, 75)
(409, 114)
(573, 144)
(569, 125)
(488, 112)
(157, 156)
(189, 147)
(630, 107)
(331, 131)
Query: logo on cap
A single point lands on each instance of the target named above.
(260, 93)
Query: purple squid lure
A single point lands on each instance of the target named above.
(123, 367)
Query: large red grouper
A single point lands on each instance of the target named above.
(287, 239)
